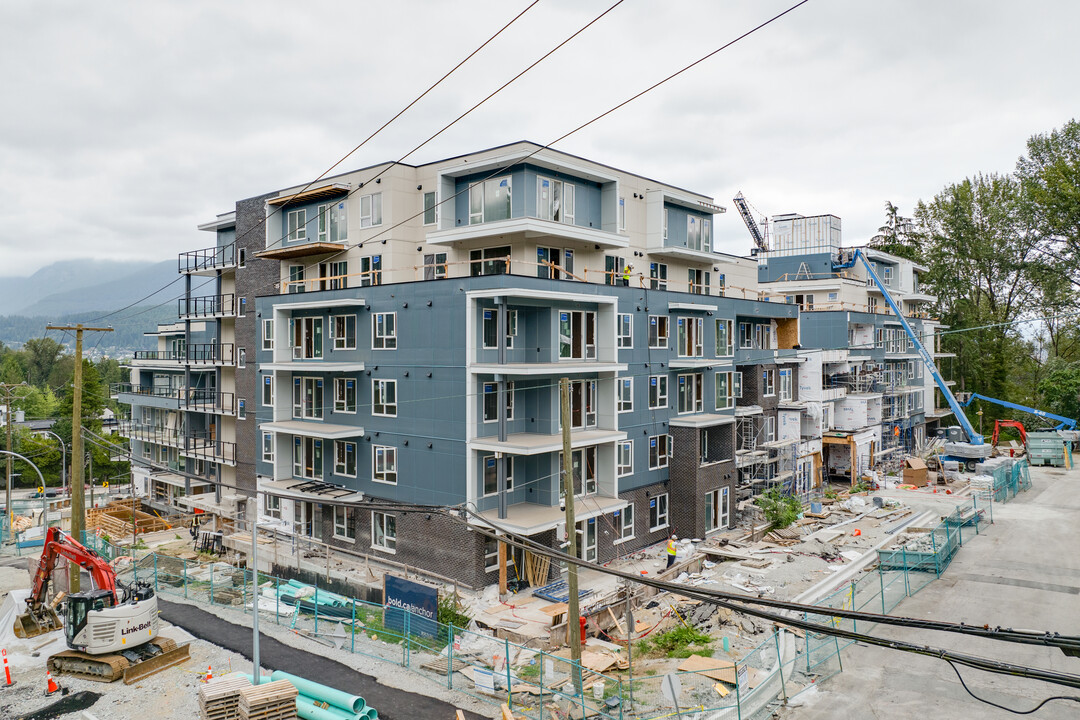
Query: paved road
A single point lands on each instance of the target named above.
(392, 704)
(1024, 572)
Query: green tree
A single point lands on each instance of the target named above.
(898, 236)
(41, 356)
(1050, 174)
(93, 403)
(1060, 388)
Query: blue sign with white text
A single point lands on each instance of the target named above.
(419, 600)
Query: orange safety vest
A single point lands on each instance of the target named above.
(670, 547)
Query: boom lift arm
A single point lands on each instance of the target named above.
(1063, 422)
(973, 437)
(751, 225)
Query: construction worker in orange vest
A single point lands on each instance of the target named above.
(671, 550)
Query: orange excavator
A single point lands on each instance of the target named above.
(111, 630)
(1014, 424)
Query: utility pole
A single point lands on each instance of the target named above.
(573, 612)
(78, 505)
(9, 422)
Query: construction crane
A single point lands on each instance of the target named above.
(1063, 423)
(755, 232)
(112, 630)
(969, 453)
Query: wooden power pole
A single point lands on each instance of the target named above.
(573, 612)
(78, 505)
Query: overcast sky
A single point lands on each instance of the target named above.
(127, 123)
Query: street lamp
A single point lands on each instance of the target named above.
(63, 464)
(44, 500)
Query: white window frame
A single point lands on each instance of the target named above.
(268, 334)
(483, 475)
(728, 384)
(344, 529)
(770, 428)
(383, 340)
(268, 447)
(341, 463)
(434, 208)
(624, 458)
(379, 387)
(661, 322)
(786, 384)
(341, 395)
(622, 214)
(625, 524)
(768, 382)
(728, 349)
(492, 388)
(567, 203)
(272, 506)
(491, 315)
(695, 384)
(384, 521)
(690, 341)
(625, 339)
(659, 503)
(625, 394)
(662, 443)
(296, 223)
(371, 210)
(746, 336)
(268, 382)
(386, 457)
(341, 341)
(660, 382)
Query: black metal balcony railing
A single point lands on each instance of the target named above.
(208, 258)
(201, 444)
(193, 399)
(206, 306)
(203, 353)
(156, 392)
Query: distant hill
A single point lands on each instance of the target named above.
(127, 336)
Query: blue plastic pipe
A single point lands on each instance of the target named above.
(338, 698)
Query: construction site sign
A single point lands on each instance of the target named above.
(406, 601)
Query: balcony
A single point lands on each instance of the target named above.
(160, 397)
(527, 228)
(208, 261)
(312, 428)
(195, 354)
(538, 444)
(209, 306)
(208, 401)
(201, 444)
(531, 518)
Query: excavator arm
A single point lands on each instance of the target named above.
(39, 618)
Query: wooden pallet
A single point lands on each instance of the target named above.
(219, 699)
(269, 701)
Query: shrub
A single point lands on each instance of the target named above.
(780, 510)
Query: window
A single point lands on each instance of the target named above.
(658, 332)
(690, 393)
(384, 464)
(768, 382)
(345, 458)
(725, 390)
(296, 279)
(698, 233)
(582, 470)
(490, 200)
(383, 531)
(625, 390)
(614, 268)
(658, 397)
(658, 512)
(886, 275)
(333, 222)
(658, 272)
(384, 331)
(665, 223)
(577, 335)
(268, 335)
(344, 527)
(491, 401)
(371, 210)
(785, 384)
(763, 337)
(243, 307)
(338, 273)
(555, 200)
(272, 506)
(626, 330)
(625, 458)
(879, 338)
(297, 220)
(345, 395)
(770, 429)
(725, 341)
(491, 328)
(659, 451)
(582, 404)
(242, 261)
(307, 457)
(489, 261)
(491, 475)
(308, 397)
(344, 332)
(241, 358)
(622, 214)
(307, 338)
(832, 297)
(689, 337)
(435, 266)
(698, 281)
(626, 523)
(268, 391)
(717, 509)
(268, 447)
(384, 398)
(871, 304)
(746, 335)
(371, 271)
(430, 208)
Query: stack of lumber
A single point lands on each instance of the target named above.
(784, 536)
(219, 699)
(274, 700)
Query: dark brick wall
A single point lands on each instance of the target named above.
(691, 480)
(752, 386)
(256, 278)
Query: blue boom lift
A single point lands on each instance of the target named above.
(1063, 423)
(968, 453)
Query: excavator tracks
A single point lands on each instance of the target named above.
(153, 657)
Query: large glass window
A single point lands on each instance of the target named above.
(384, 398)
(308, 398)
(625, 330)
(768, 382)
(785, 384)
(658, 273)
(725, 390)
(384, 464)
(690, 337)
(690, 393)
(577, 335)
(308, 457)
(491, 401)
(345, 458)
(307, 338)
(297, 220)
(626, 523)
(491, 328)
(384, 331)
(268, 447)
(625, 458)
(725, 341)
(268, 334)
(430, 208)
(658, 392)
(717, 509)
(659, 451)
(489, 261)
(490, 200)
(491, 474)
(658, 332)
(371, 271)
(371, 210)
(344, 525)
(344, 332)
(345, 395)
(625, 390)
(555, 200)
(333, 222)
(582, 404)
(583, 471)
(658, 512)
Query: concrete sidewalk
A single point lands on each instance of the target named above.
(1023, 572)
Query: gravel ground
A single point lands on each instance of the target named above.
(172, 693)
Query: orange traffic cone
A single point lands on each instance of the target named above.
(209, 674)
(52, 686)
